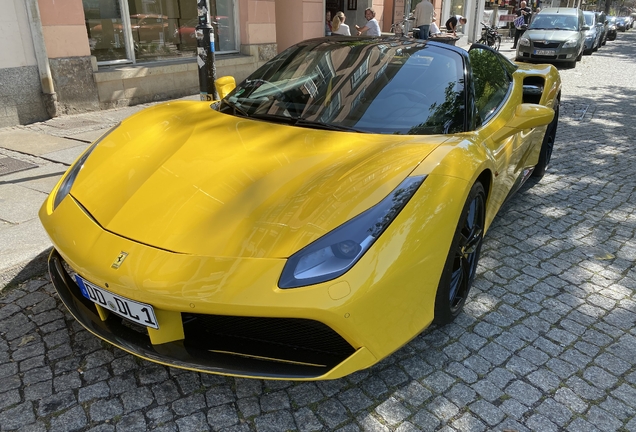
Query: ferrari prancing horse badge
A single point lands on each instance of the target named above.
(119, 260)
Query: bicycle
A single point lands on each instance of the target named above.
(401, 28)
(490, 36)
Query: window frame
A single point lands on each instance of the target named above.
(509, 68)
(129, 43)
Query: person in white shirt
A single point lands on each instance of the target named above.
(372, 28)
(338, 26)
(433, 29)
(423, 17)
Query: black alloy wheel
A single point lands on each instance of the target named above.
(461, 264)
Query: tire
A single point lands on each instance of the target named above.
(461, 264)
(547, 146)
(580, 56)
(497, 44)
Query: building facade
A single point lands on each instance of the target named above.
(64, 57)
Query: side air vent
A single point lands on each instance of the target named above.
(533, 89)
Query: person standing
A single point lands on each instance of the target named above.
(371, 28)
(423, 17)
(526, 12)
(338, 26)
(453, 22)
(328, 23)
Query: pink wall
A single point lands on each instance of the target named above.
(287, 13)
(67, 12)
(313, 19)
(257, 21)
(63, 28)
(298, 20)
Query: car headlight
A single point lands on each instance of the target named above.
(570, 43)
(524, 41)
(337, 251)
(75, 169)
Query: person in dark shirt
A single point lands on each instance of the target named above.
(526, 12)
(453, 22)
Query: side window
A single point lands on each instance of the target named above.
(491, 82)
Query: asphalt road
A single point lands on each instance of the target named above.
(547, 341)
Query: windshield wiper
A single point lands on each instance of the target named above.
(274, 118)
(235, 107)
(322, 125)
(301, 122)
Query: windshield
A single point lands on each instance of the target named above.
(554, 22)
(589, 18)
(390, 86)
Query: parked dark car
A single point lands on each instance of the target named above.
(611, 28)
(555, 35)
(622, 23)
(593, 35)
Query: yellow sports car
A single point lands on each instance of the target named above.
(311, 222)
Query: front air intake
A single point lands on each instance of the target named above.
(280, 340)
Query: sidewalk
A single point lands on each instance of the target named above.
(35, 156)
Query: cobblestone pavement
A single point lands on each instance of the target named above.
(547, 342)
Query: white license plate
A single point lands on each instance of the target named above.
(139, 313)
(545, 52)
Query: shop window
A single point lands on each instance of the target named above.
(132, 31)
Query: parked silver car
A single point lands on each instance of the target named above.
(555, 35)
(603, 23)
(593, 35)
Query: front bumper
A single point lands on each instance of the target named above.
(534, 52)
(271, 348)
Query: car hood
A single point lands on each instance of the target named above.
(551, 35)
(185, 178)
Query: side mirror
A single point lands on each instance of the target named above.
(526, 116)
(225, 85)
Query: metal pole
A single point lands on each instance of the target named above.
(42, 58)
(205, 53)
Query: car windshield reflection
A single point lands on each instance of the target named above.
(554, 22)
(361, 85)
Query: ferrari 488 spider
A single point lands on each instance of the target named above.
(311, 222)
